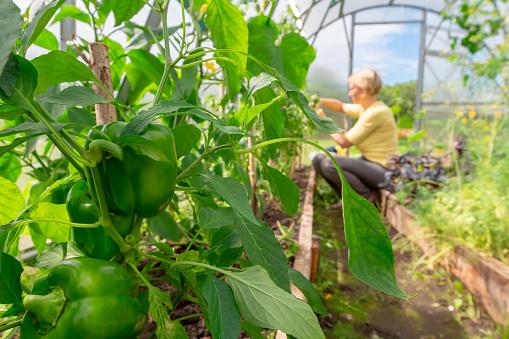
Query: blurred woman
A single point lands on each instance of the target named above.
(374, 134)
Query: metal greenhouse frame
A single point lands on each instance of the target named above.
(338, 10)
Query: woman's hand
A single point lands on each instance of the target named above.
(321, 112)
(333, 104)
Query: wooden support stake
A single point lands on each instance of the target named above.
(252, 177)
(100, 64)
(293, 161)
(315, 258)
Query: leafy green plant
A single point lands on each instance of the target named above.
(485, 36)
(401, 99)
(455, 212)
(162, 193)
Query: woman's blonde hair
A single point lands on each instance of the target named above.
(368, 80)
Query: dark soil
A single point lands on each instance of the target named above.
(440, 308)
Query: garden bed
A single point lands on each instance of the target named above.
(485, 277)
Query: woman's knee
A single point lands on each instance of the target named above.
(318, 162)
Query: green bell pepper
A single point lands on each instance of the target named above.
(139, 182)
(83, 298)
(94, 242)
(153, 181)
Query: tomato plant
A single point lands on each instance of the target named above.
(159, 195)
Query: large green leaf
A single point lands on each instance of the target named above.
(18, 82)
(164, 226)
(10, 279)
(72, 12)
(370, 256)
(8, 112)
(158, 302)
(10, 167)
(74, 96)
(225, 246)
(139, 83)
(284, 188)
(248, 113)
(259, 82)
(47, 40)
(56, 231)
(39, 22)
(148, 63)
(124, 10)
(143, 70)
(296, 55)
(140, 121)
(291, 58)
(325, 124)
(306, 287)
(228, 30)
(187, 136)
(57, 67)
(258, 240)
(80, 116)
(273, 117)
(16, 142)
(263, 33)
(213, 218)
(142, 145)
(57, 253)
(11, 201)
(222, 313)
(264, 304)
(10, 26)
(29, 127)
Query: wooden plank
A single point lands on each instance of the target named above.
(303, 258)
(302, 261)
(484, 276)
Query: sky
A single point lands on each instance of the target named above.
(392, 50)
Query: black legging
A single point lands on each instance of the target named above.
(363, 175)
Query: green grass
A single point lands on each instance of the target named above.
(473, 207)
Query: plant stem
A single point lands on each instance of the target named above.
(273, 8)
(198, 160)
(105, 219)
(138, 273)
(167, 57)
(20, 223)
(199, 62)
(10, 325)
(189, 316)
(183, 42)
(41, 116)
(189, 263)
(344, 182)
(92, 18)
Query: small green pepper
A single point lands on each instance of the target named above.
(83, 298)
(94, 242)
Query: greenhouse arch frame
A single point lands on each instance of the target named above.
(349, 10)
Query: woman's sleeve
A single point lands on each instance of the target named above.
(353, 110)
(367, 123)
